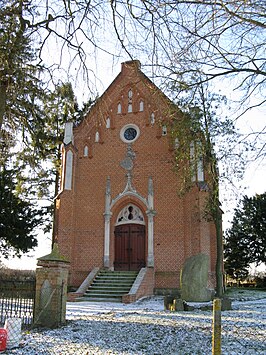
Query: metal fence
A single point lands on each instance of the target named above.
(17, 300)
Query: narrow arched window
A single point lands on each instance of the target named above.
(97, 137)
(192, 162)
(69, 167)
(119, 108)
(108, 122)
(200, 169)
(152, 119)
(86, 151)
(129, 108)
(141, 105)
(164, 130)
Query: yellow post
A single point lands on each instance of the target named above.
(216, 327)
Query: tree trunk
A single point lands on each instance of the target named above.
(219, 259)
(3, 89)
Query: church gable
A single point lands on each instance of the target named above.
(130, 97)
(123, 186)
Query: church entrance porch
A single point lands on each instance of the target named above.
(129, 247)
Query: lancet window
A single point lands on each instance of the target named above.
(108, 122)
(164, 130)
(152, 118)
(130, 96)
(86, 151)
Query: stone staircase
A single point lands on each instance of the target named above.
(110, 286)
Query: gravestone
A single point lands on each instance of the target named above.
(173, 303)
(194, 278)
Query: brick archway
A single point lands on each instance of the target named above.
(114, 207)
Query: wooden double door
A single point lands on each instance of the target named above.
(129, 247)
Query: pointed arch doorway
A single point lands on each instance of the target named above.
(130, 240)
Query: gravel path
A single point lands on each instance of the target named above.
(145, 328)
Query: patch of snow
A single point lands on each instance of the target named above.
(145, 327)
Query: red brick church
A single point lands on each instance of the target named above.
(119, 207)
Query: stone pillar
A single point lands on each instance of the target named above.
(107, 217)
(150, 261)
(150, 194)
(51, 290)
(106, 260)
(150, 213)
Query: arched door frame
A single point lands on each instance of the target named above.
(129, 247)
(110, 204)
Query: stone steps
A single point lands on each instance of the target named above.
(110, 286)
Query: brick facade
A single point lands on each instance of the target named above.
(87, 207)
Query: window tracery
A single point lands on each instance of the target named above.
(129, 133)
(130, 214)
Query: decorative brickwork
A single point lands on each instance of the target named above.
(130, 163)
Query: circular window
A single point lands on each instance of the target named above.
(129, 133)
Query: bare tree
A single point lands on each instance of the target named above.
(199, 129)
(192, 42)
(221, 39)
(218, 39)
